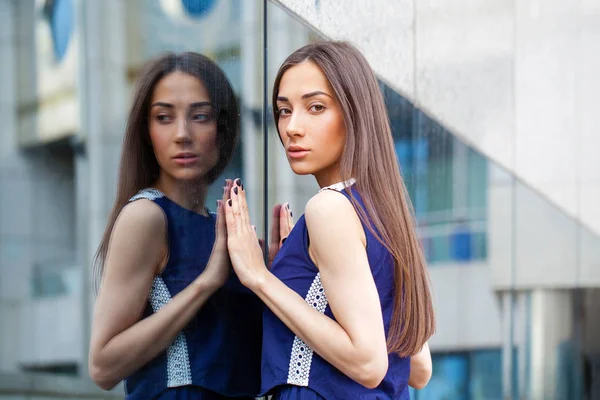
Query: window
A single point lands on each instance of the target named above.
(447, 183)
(475, 375)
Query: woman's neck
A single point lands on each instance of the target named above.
(328, 177)
(188, 194)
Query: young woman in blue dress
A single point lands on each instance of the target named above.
(170, 320)
(348, 303)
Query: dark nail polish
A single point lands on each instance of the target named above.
(238, 182)
(291, 213)
(283, 240)
(235, 190)
(229, 202)
(242, 186)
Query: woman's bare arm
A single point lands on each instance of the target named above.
(356, 343)
(120, 342)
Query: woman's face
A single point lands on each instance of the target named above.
(311, 123)
(183, 128)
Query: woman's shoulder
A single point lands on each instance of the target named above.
(327, 201)
(141, 216)
(331, 211)
(332, 204)
(137, 237)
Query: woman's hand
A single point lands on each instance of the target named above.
(244, 250)
(219, 265)
(280, 228)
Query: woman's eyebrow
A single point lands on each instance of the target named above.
(193, 105)
(305, 96)
(162, 104)
(315, 93)
(201, 104)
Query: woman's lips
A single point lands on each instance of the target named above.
(296, 154)
(185, 159)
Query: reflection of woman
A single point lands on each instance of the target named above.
(347, 294)
(169, 319)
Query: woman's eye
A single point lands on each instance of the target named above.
(317, 108)
(163, 118)
(200, 117)
(284, 111)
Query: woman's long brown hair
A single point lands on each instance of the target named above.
(138, 167)
(369, 157)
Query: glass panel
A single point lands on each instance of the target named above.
(485, 370)
(216, 29)
(452, 380)
(68, 69)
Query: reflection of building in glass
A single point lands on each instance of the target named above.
(447, 182)
(514, 260)
(74, 64)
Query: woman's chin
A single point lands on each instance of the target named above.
(191, 175)
(301, 169)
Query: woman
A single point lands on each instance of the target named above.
(169, 319)
(347, 296)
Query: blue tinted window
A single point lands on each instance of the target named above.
(475, 375)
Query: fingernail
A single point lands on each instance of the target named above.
(283, 240)
(242, 186)
(291, 213)
(229, 202)
(238, 182)
(235, 190)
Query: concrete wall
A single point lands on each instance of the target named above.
(532, 243)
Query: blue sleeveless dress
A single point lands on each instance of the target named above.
(290, 368)
(217, 355)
